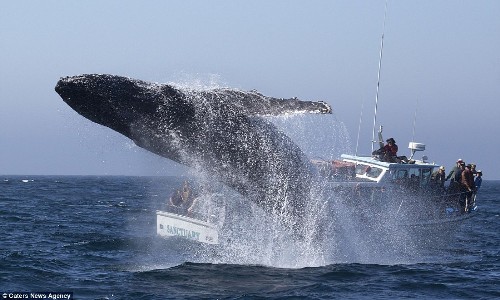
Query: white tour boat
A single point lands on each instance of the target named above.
(400, 191)
(199, 222)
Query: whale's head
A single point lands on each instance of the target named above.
(107, 100)
(115, 101)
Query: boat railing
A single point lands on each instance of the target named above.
(456, 202)
(467, 199)
(429, 200)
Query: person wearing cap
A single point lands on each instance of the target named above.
(390, 150)
(467, 187)
(473, 169)
(456, 171)
(438, 178)
(479, 179)
(455, 175)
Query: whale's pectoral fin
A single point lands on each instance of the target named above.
(294, 105)
(276, 107)
(254, 103)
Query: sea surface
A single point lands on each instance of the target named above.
(95, 237)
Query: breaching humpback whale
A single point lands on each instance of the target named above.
(217, 130)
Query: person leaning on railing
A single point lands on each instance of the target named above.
(456, 177)
(455, 173)
(467, 186)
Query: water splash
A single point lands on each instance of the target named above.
(319, 136)
(330, 229)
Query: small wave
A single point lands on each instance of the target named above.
(101, 245)
(15, 254)
(154, 267)
(163, 271)
(12, 218)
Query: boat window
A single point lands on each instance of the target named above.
(400, 174)
(361, 169)
(414, 178)
(369, 171)
(415, 174)
(426, 176)
(374, 172)
(419, 177)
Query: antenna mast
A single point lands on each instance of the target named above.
(359, 126)
(378, 76)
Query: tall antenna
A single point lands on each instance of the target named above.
(415, 146)
(378, 76)
(359, 126)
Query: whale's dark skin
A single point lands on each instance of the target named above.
(220, 131)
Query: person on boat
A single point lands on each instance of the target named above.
(467, 187)
(186, 191)
(176, 198)
(456, 176)
(175, 202)
(473, 169)
(479, 179)
(456, 172)
(389, 152)
(391, 149)
(438, 178)
(187, 197)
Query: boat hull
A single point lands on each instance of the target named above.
(170, 225)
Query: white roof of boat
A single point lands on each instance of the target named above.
(373, 161)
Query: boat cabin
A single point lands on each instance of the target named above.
(373, 171)
(369, 169)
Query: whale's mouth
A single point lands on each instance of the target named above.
(76, 95)
(84, 92)
(95, 98)
(65, 87)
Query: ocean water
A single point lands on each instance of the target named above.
(96, 238)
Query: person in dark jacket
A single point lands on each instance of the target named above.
(176, 198)
(438, 178)
(391, 149)
(467, 186)
(388, 152)
(455, 173)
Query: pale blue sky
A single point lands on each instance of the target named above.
(446, 54)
